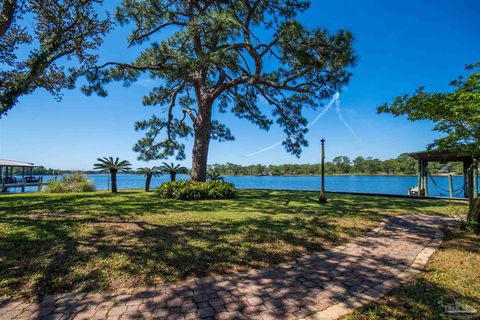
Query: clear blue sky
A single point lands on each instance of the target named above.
(400, 44)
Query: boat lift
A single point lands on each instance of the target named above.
(8, 180)
(470, 173)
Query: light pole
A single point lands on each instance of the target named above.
(323, 196)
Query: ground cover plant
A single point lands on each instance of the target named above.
(99, 241)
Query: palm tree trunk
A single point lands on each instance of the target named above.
(173, 176)
(147, 182)
(114, 180)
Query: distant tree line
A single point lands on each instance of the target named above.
(402, 165)
(42, 171)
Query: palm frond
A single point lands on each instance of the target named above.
(155, 171)
(172, 168)
(112, 164)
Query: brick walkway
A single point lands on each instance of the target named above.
(323, 285)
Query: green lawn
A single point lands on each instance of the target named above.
(98, 241)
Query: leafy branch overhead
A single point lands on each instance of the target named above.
(236, 56)
(455, 114)
(52, 32)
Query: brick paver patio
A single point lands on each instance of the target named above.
(323, 285)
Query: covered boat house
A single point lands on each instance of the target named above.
(18, 175)
(470, 170)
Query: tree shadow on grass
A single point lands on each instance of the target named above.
(178, 247)
(284, 289)
(55, 258)
(70, 248)
(268, 202)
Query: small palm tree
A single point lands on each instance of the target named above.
(113, 166)
(149, 172)
(214, 175)
(173, 169)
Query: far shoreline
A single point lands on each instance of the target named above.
(283, 175)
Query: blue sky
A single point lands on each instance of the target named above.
(400, 45)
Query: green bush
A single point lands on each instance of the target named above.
(194, 190)
(74, 183)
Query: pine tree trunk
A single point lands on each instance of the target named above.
(173, 176)
(114, 180)
(202, 129)
(147, 182)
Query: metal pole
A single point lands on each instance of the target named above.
(3, 180)
(475, 180)
(419, 177)
(419, 190)
(426, 179)
(323, 196)
(469, 185)
(5, 189)
(450, 184)
(465, 179)
(24, 181)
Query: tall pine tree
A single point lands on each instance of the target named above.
(229, 55)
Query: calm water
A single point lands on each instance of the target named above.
(369, 184)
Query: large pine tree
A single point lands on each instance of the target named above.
(228, 55)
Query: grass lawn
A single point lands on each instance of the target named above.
(52, 243)
(451, 275)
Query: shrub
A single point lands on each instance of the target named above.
(194, 190)
(74, 183)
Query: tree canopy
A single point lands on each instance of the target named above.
(52, 32)
(455, 114)
(237, 56)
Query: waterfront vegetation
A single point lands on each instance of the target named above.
(100, 241)
(74, 183)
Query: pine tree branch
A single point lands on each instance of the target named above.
(7, 15)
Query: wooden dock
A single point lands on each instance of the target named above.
(8, 180)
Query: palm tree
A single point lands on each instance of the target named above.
(149, 172)
(113, 166)
(173, 169)
(214, 175)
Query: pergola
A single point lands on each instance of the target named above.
(9, 180)
(470, 173)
